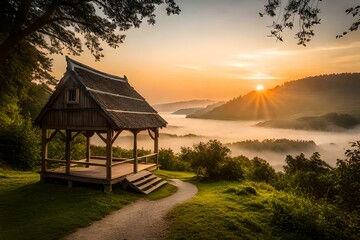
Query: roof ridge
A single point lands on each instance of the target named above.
(71, 64)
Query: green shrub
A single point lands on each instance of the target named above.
(347, 178)
(169, 161)
(312, 220)
(232, 170)
(308, 176)
(19, 145)
(240, 191)
(259, 170)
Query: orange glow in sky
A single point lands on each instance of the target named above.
(220, 50)
(259, 87)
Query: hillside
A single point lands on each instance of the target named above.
(186, 111)
(327, 122)
(305, 97)
(174, 106)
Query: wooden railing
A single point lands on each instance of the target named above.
(117, 160)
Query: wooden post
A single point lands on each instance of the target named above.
(44, 150)
(109, 153)
(156, 146)
(88, 147)
(67, 151)
(135, 152)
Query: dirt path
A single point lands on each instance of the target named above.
(143, 219)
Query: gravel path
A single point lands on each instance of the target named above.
(143, 219)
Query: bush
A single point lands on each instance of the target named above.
(169, 161)
(347, 178)
(232, 170)
(19, 145)
(208, 159)
(313, 220)
(308, 176)
(259, 170)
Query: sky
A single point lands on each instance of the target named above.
(220, 49)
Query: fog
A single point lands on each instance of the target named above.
(331, 144)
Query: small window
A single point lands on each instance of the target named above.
(72, 95)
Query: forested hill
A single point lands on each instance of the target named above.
(323, 94)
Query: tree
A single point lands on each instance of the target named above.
(306, 14)
(347, 177)
(53, 25)
(31, 29)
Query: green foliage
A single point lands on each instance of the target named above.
(53, 26)
(259, 170)
(347, 177)
(208, 159)
(301, 163)
(303, 217)
(19, 145)
(35, 99)
(169, 161)
(311, 177)
(117, 151)
(232, 169)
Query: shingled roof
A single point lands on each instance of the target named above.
(119, 102)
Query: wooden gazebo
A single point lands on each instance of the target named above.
(87, 101)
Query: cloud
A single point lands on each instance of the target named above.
(256, 76)
(237, 64)
(191, 67)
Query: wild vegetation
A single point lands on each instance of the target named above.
(308, 200)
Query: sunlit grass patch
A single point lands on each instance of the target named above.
(185, 176)
(223, 210)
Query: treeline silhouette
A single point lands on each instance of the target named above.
(275, 145)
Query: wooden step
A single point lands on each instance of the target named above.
(144, 182)
(138, 175)
(154, 187)
(152, 182)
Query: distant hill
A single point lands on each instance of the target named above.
(186, 111)
(204, 110)
(174, 106)
(310, 96)
(327, 122)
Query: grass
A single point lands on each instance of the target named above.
(224, 210)
(33, 210)
(185, 176)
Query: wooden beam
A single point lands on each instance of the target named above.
(156, 146)
(100, 136)
(150, 134)
(63, 135)
(67, 151)
(44, 150)
(73, 137)
(52, 136)
(88, 143)
(109, 153)
(115, 137)
(135, 152)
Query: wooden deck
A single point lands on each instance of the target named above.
(96, 174)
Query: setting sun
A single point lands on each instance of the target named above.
(259, 87)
